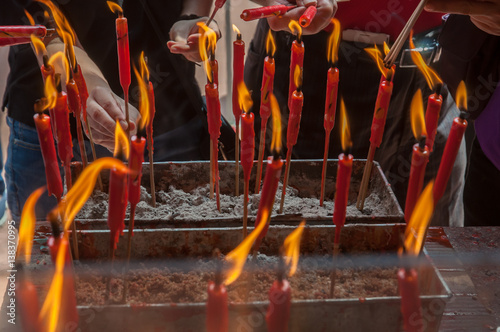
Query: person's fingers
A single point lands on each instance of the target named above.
(487, 24)
(306, 3)
(465, 7)
(112, 110)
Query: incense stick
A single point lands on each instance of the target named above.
(323, 173)
(258, 177)
(285, 180)
(366, 179)
(151, 172)
(67, 171)
(129, 250)
(390, 58)
(237, 160)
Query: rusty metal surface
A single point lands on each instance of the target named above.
(305, 176)
(370, 314)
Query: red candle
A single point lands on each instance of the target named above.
(52, 174)
(247, 144)
(332, 85)
(135, 165)
(278, 312)
(217, 308)
(273, 173)
(152, 111)
(123, 52)
(266, 90)
(306, 18)
(63, 133)
(410, 300)
(75, 105)
(449, 155)
(257, 13)
(380, 113)
(297, 59)
(419, 160)
(434, 104)
(292, 132)
(27, 297)
(214, 124)
(343, 181)
(118, 191)
(83, 91)
(214, 65)
(20, 34)
(238, 69)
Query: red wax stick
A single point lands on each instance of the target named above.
(118, 191)
(75, 105)
(266, 91)
(247, 144)
(410, 300)
(306, 18)
(214, 66)
(292, 132)
(297, 59)
(278, 312)
(419, 160)
(380, 113)
(344, 171)
(238, 69)
(82, 90)
(257, 13)
(449, 155)
(45, 136)
(434, 104)
(152, 111)
(123, 52)
(63, 133)
(217, 308)
(332, 85)
(135, 164)
(27, 298)
(20, 34)
(214, 124)
(273, 173)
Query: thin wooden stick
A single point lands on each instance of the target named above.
(211, 170)
(151, 171)
(323, 173)
(215, 174)
(333, 274)
(258, 176)
(245, 209)
(237, 160)
(81, 144)
(67, 173)
(94, 155)
(285, 180)
(112, 259)
(366, 179)
(129, 250)
(127, 117)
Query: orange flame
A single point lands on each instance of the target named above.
(333, 42)
(430, 75)
(121, 142)
(270, 44)
(244, 98)
(236, 30)
(419, 221)
(83, 187)
(238, 256)
(50, 93)
(461, 98)
(27, 227)
(208, 42)
(64, 30)
(143, 92)
(39, 46)
(344, 128)
(52, 305)
(295, 28)
(144, 66)
(276, 117)
(417, 116)
(115, 8)
(386, 48)
(292, 248)
(30, 18)
(60, 63)
(377, 56)
(297, 77)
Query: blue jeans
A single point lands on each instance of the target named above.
(25, 171)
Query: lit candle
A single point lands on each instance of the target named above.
(27, 297)
(45, 136)
(135, 164)
(297, 57)
(280, 300)
(217, 306)
(268, 11)
(20, 34)
(410, 299)
(306, 18)
(265, 102)
(434, 104)
(238, 69)
(420, 156)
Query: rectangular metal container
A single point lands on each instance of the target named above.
(305, 176)
(368, 314)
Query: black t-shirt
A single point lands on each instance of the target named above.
(177, 95)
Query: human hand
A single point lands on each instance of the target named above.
(103, 109)
(185, 38)
(326, 10)
(484, 14)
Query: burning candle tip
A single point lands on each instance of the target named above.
(46, 63)
(54, 223)
(464, 115)
(58, 82)
(421, 142)
(389, 75)
(437, 88)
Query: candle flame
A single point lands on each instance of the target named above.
(297, 77)
(292, 248)
(430, 75)
(52, 305)
(238, 256)
(207, 44)
(27, 226)
(276, 118)
(143, 92)
(386, 48)
(376, 54)
(295, 28)
(64, 30)
(236, 30)
(144, 66)
(50, 93)
(244, 98)
(60, 63)
(334, 42)
(115, 8)
(121, 142)
(417, 116)
(344, 128)
(419, 221)
(30, 18)
(270, 43)
(461, 98)
(39, 46)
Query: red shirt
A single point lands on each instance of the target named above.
(384, 16)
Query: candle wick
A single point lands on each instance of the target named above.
(276, 155)
(54, 223)
(238, 36)
(46, 64)
(281, 267)
(437, 89)
(58, 82)
(388, 76)
(421, 142)
(464, 115)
